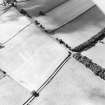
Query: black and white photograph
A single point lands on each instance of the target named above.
(52, 52)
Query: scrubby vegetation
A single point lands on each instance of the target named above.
(95, 68)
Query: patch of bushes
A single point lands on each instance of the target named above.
(88, 63)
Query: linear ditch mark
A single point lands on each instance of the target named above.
(88, 63)
(91, 42)
(35, 94)
(54, 31)
(2, 45)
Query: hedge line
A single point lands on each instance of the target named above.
(63, 43)
(91, 42)
(95, 68)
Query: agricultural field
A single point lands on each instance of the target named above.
(38, 65)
